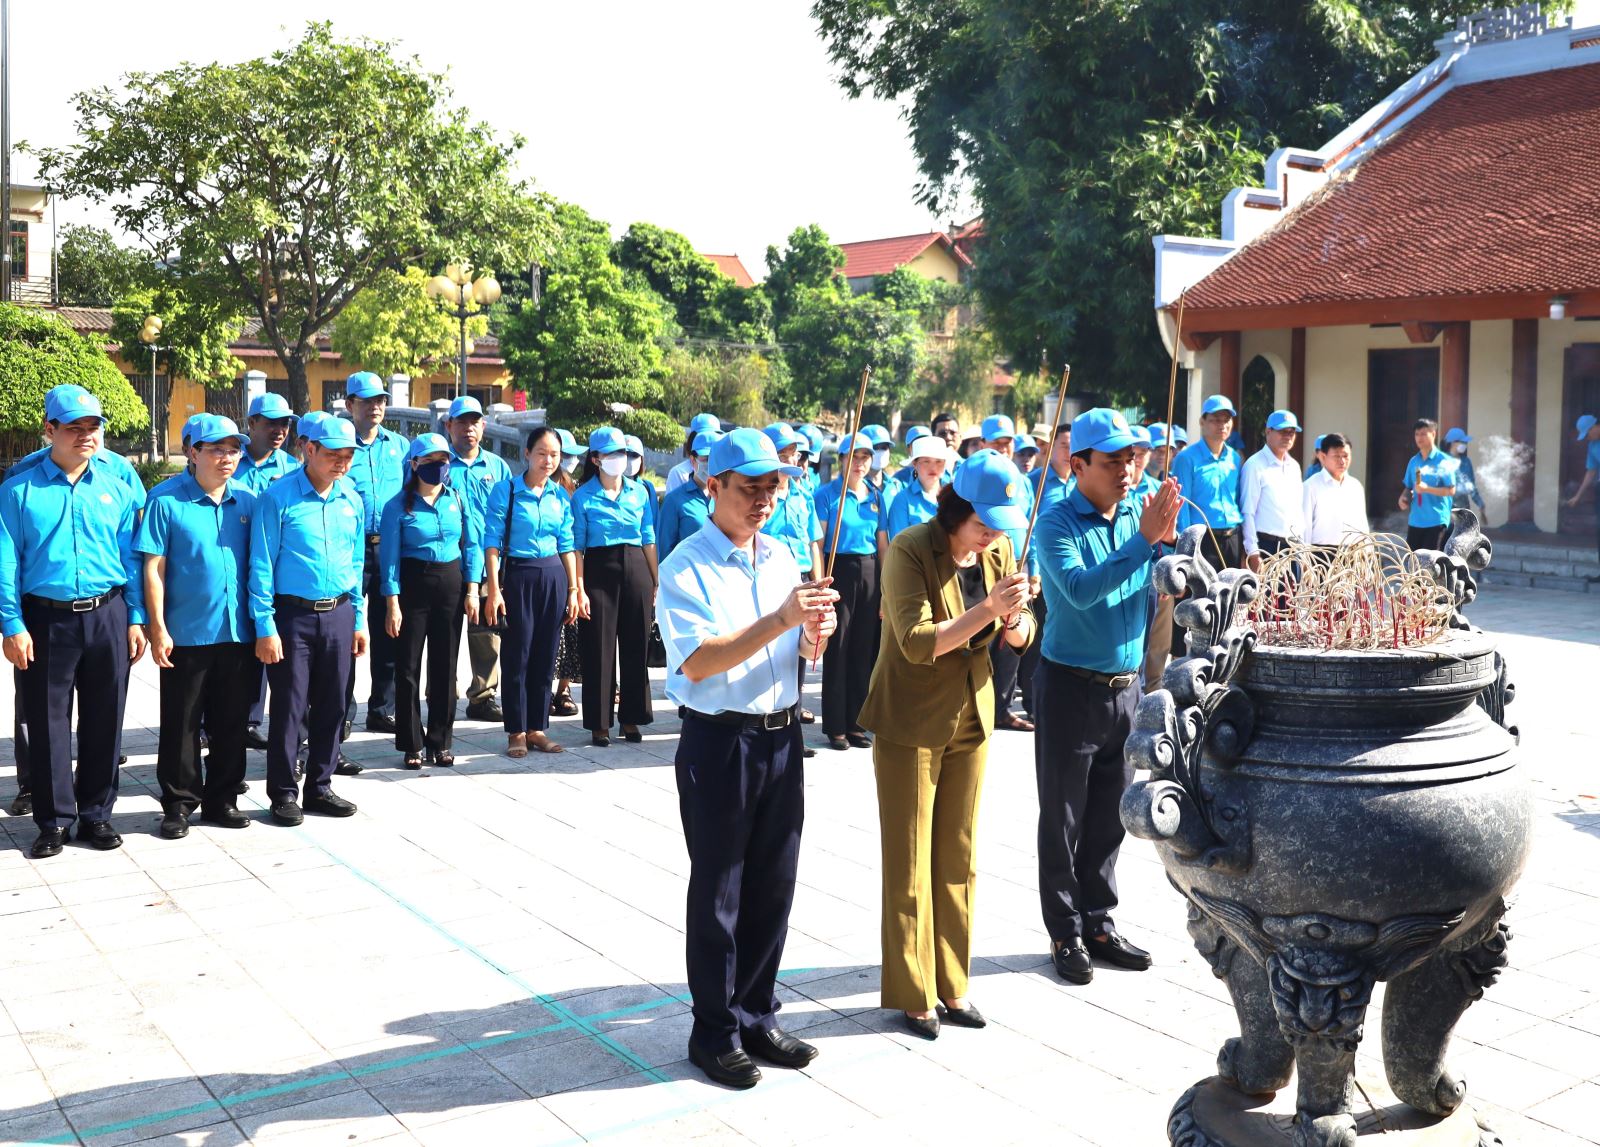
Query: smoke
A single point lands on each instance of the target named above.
(1500, 464)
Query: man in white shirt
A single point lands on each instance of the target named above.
(1332, 501)
(684, 471)
(1270, 493)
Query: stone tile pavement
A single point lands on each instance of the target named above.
(494, 954)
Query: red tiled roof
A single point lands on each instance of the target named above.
(880, 256)
(86, 320)
(1493, 190)
(730, 266)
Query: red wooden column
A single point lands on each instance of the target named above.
(1455, 357)
(1524, 406)
(1229, 341)
(1297, 386)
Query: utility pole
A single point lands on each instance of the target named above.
(5, 149)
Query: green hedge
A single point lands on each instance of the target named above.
(39, 351)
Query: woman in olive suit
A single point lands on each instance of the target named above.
(948, 585)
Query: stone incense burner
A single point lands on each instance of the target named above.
(1333, 819)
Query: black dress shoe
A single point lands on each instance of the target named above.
(807, 751)
(1072, 962)
(225, 817)
(48, 843)
(967, 1017)
(380, 723)
(99, 834)
(859, 740)
(927, 1028)
(1111, 948)
(346, 767)
(600, 740)
(254, 738)
(22, 805)
(777, 1046)
(838, 743)
(241, 788)
(731, 1068)
(329, 803)
(807, 717)
(486, 710)
(287, 812)
(174, 825)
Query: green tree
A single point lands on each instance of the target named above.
(1083, 130)
(39, 351)
(808, 262)
(830, 337)
(393, 327)
(961, 376)
(707, 304)
(744, 387)
(93, 269)
(273, 184)
(195, 333)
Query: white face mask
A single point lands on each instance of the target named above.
(1460, 447)
(569, 463)
(634, 466)
(614, 464)
(700, 467)
(880, 459)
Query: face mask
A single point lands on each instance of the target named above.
(431, 473)
(634, 466)
(880, 459)
(700, 467)
(614, 465)
(1460, 448)
(569, 463)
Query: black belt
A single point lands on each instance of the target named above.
(777, 719)
(76, 605)
(314, 604)
(1109, 680)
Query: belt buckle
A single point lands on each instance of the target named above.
(85, 604)
(1122, 680)
(767, 720)
(325, 605)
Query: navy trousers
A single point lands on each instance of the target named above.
(536, 606)
(308, 690)
(381, 648)
(86, 652)
(741, 793)
(19, 732)
(214, 682)
(1082, 771)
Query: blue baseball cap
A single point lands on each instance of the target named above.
(569, 444)
(634, 445)
(270, 406)
(855, 442)
(878, 434)
(1217, 402)
(912, 433)
(1024, 442)
(749, 452)
(1456, 434)
(1101, 429)
(424, 444)
(782, 434)
(206, 427)
(1158, 434)
(364, 384)
(606, 440)
(990, 483)
(1283, 420)
(704, 422)
(465, 404)
(69, 403)
(1317, 445)
(310, 419)
(998, 426)
(704, 441)
(1141, 436)
(330, 433)
(1586, 423)
(813, 435)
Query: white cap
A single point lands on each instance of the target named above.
(931, 446)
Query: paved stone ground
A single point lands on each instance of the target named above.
(494, 954)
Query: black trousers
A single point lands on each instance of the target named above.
(1030, 658)
(86, 653)
(741, 793)
(381, 648)
(1426, 537)
(19, 733)
(217, 683)
(621, 605)
(308, 686)
(536, 607)
(1226, 552)
(853, 649)
(1081, 772)
(432, 597)
(1007, 664)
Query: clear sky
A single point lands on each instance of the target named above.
(717, 118)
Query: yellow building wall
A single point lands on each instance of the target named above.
(1489, 414)
(1554, 435)
(937, 263)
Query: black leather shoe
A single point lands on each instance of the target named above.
(731, 1068)
(807, 751)
(1111, 948)
(254, 738)
(631, 734)
(380, 723)
(174, 825)
(486, 710)
(777, 1046)
(241, 788)
(329, 803)
(22, 805)
(600, 740)
(1072, 962)
(288, 812)
(967, 1017)
(225, 817)
(859, 740)
(926, 1027)
(346, 767)
(100, 834)
(838, 743)
(48, 843)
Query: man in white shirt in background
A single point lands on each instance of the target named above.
(1333, 503)
(1270, 492)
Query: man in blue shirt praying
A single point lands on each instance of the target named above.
(1430, 489)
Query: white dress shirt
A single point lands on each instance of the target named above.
(1333, 509)
(679, 474)
(1269, 497)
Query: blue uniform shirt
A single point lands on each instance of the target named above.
(1096, 585)
(911, 508)
(1212, 483)
(541, 524)
(377, 472)
(476, 479)
(305, 545)
(1055, 490)
(1437, 469)
(683, 511)
(1467, 482)
(1137, 492)
(711, 588)
(108, 460)
(442, 532)
(863, 517)
(629, 519)
(794, 522)
(67, 540)
(207, 548)
(1591, 460)
(257, 476)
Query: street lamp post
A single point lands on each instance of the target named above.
(150, 334)
(453, 290)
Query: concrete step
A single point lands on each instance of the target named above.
(1500, 576)
(1559, 553)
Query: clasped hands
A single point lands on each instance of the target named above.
(810, 606)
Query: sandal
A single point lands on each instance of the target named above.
(516, 745)
(540, 742)
(562, 705)
(413, 760)
(1015, 723)
(444, 758)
